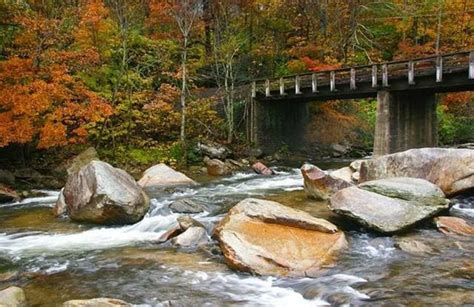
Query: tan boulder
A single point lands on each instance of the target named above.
(450, 169)
(216, 167)
(454, 225)
(163, 176)
(319, 184)
(266, 238)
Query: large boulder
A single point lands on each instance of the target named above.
(13, 296)
(450, 169)
(213, 150)
(390, 205)
(266, 238)
(319, 184)
(99, 193)
(96, 302)
(163, 176)
(344, 173)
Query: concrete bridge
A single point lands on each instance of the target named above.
(405, 91)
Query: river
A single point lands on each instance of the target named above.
(55, 260)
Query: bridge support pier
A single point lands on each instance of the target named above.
(405, 120)
(279, 124)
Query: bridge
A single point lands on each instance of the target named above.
(405, 92)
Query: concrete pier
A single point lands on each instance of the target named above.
(405, 120)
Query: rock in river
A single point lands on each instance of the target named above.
(454, 225)
(96, 302)
(390, 205)
(193, 236)
(262, 169)
(450, 169)
(267, 238)
(13, 296)
(319, 184)
(99, 193)
(163, 176)
(186, 206)
(216, 167)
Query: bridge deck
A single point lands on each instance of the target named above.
(442, 73)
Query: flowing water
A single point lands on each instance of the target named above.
(55, 260)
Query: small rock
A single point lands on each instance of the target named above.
(96, 302)
(185, 222)
(163, 176)
(262, 169)
(412, 246)
(13, 296)
(454, 225)
(60, 208)
(213, 150)
(173, 232)
(186, 206)
(320, 185)
(338, 150)
(216, 167)
(193, 236)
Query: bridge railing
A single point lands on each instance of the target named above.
(378, 75)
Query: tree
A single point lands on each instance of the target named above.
(185, 13)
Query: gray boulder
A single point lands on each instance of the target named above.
(390, 205)
(13, 296)
(450, 169)
(186, 206)
(99, 193)
(60, 208)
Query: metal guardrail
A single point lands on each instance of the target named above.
(377, 74)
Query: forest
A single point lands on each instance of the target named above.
(144, 80)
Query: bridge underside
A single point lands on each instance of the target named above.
(406, 113)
